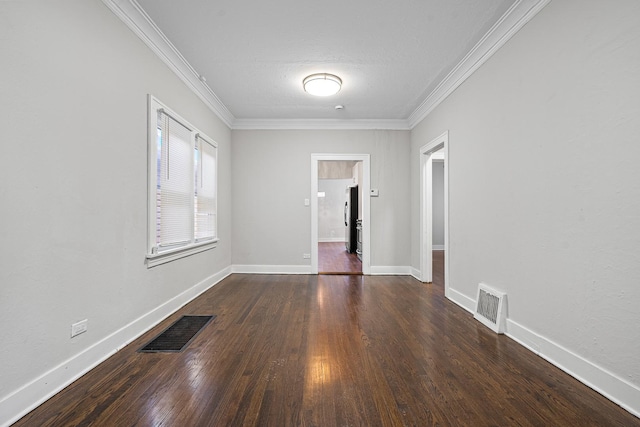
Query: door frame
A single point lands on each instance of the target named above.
(426, 208)
(366, 205)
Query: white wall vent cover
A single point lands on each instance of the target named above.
(491, 308)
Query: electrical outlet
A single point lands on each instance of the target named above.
(79, 328)
(306, 256)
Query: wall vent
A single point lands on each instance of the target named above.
(491, 308)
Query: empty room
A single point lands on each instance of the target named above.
(173, 175)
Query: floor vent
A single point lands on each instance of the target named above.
(491, 308)
(177, 336)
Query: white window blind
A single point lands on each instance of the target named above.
(176, 178)
(205, 191)
(182, 185)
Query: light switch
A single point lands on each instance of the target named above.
(306, 202)
(374, 192)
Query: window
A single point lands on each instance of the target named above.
(182, 187)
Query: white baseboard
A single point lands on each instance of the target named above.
(331, 240)
(271, 269)
(26, 398)
(390, 270)
(462, 300)
(437, 247)
(415, 272)
(608, 384)
(611, 386)
(306, 269)
(23, 400)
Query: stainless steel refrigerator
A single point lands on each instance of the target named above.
(351, 217)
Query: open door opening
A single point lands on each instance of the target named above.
(434, 211)
(340, 217)
(340, 214)
(437, 223)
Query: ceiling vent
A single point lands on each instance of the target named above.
(491, 308)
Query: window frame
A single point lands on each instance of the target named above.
(155, 255)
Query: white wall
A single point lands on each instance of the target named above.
(272, 176)
(73, 184)
(331, 226)
(544, 188)
(556, 103)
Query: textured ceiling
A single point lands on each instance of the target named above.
(390, 54)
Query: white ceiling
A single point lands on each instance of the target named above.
(391, 55)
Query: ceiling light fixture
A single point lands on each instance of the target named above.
(322, 84)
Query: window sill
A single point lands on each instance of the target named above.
(174, 254)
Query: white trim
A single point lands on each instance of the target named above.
(437, 247)
(611, 386)
(390, 270)
(366, 206)
(311, 124)
(305, 269)
(171, 255)
(331, 240)
(132, 14)
(271, 269)
(462, 300)
(23, 400)
(509, 24)
(608, 384)
(415, 273)
(154, 256)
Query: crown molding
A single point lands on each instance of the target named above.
(130, 12)
(509, 24)
(311, 124)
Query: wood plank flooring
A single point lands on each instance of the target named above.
(438, 267)
(329, 351)
(333, 258)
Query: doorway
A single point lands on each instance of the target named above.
(329, 252)
(339, 217)
(435, 152)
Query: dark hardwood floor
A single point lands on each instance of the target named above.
(333, 258)
(330, 351)
(438, 267)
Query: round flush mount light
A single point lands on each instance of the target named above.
(322, 84)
